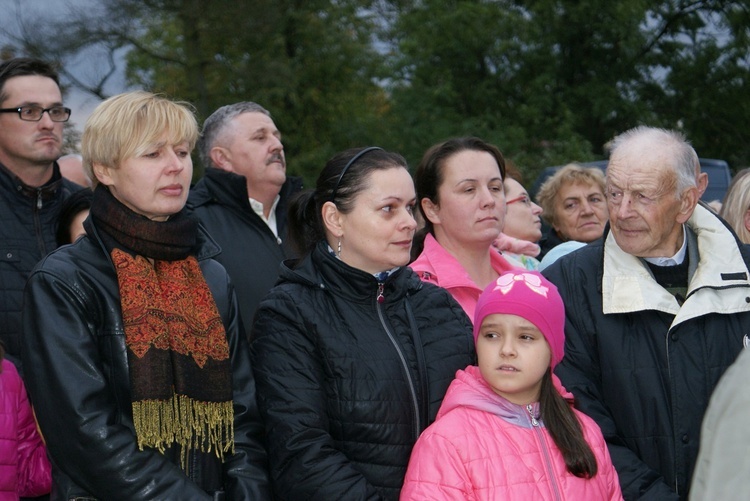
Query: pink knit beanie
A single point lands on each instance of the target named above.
(531, 296)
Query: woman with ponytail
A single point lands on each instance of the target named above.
(507, 429)
(351, 352)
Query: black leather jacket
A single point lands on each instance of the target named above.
(347, 383)
(74, 350)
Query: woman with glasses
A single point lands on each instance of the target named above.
(462, 201)
(352, 353)
(573, 205)
(523, 225)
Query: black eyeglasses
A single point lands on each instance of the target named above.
(34, 113)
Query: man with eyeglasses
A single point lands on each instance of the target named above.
(657, 309)
(31, 187)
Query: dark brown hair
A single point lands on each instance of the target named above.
(429, 176)
(305, 222)
(24, 66)
(565, 430)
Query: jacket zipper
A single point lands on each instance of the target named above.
(378, 305)
(38, 223)
(671, 392)
(545, 452)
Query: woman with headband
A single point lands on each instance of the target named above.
(352, 353)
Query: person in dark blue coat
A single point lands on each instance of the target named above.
(351, 351)
(657, 309)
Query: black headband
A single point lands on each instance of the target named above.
(346, 168)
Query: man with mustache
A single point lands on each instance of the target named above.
(242, 198)
(657, 309)
(31, 187)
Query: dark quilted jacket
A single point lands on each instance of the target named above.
(28, 223)
(249, 250)
(345, 383)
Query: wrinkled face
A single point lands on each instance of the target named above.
(254, 150)
(581, 212)
(377, 234)
(645, 216)
(22, 143)
(513, 356)
(154, 184)
(522, 219)
(471, 210)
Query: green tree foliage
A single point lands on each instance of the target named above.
(548, 81)
(311, 63)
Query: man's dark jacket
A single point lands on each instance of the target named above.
(643, 366)
(75, 339)
(28, 224)
(250, 251)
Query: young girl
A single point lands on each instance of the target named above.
(506, 429)
(24, 467)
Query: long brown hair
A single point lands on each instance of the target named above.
(565, 430)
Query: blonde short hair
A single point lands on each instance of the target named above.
(737, 203)
(571, 174)
(127, 125)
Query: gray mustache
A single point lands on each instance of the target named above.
(276, 158)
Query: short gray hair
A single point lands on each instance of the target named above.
(685, 163)
(217, 123)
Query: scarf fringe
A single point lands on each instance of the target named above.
(189, 423)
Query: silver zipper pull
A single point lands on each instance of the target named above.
(534, 422)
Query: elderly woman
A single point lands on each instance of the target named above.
(139, 368)
(462, 200)
(574, 205)
(352, 353)
(736, 206)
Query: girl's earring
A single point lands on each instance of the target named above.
(338, 250)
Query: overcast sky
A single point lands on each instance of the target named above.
(81, 103)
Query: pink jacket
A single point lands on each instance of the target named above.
(436, 265)
(24, 467)
(482, 447)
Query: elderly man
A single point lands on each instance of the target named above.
(242, 199)
(31, 187)
(656, 311)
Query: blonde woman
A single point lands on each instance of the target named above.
(574, 205)
(139, 369)
(736, 207)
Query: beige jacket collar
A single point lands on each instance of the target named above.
(721, 283)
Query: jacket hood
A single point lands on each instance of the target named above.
(324, 271)
(470, 390)
(449, 272)
(231, 189)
